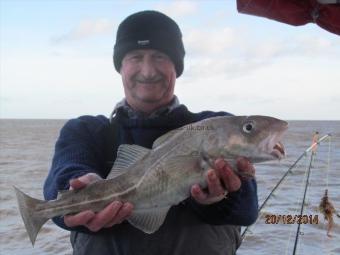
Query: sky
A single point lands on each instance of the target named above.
(56, 60)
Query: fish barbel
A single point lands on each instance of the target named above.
(155, 179)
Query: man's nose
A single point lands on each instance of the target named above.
(148, 67)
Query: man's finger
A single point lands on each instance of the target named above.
(198, 194)
(124, 212)
(219, 163)
(214, 184)
(245, 168)
(84, 180)
(231, 181)
(104, 216)
(78, 219)
(77, 184)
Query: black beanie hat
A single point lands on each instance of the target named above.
(149, 30)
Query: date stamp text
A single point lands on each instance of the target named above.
(291, 219)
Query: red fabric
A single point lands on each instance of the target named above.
(295, 12)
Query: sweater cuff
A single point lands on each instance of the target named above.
(229, 198)
(238, 208)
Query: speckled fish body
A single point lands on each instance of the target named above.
(155, 179)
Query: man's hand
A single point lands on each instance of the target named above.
(221, 180)
(114, 213)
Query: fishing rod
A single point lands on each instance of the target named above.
(316, 143)
(284, 176)
(303, 204)
(304, 194)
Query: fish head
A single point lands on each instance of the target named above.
(255, 137)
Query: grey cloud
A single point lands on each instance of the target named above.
(231, 53)
(229, 68)
(249, 98)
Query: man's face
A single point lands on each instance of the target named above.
(149, 78)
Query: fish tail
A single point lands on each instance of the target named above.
(27, 206)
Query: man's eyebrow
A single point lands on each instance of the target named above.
(133, 53)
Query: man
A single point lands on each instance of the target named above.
(149, 55)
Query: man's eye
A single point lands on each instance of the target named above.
(160, 57)
(136, 57)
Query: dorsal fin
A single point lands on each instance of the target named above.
(127, 155)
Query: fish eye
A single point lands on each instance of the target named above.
(248, 127)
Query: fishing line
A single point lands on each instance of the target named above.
(305, 192)
(327, 182)
(304, 154)
(283, 177)
(307, 173)
(273, 190)
(303, 203)
(329, 159)
(296, 209)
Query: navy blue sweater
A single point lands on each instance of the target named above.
(88, 144)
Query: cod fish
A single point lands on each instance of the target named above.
(155, 179)
(327, 209)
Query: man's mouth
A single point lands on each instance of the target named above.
(150, 82)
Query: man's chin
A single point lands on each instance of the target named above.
(149, 100)
(152, 96)
(148, 86)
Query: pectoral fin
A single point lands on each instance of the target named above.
(183, 162)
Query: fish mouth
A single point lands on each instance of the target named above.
(273, 147)
(278, 151)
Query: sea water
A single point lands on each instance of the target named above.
(26, 150)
